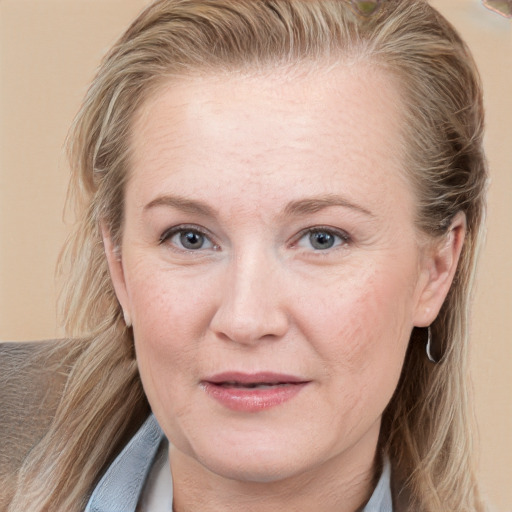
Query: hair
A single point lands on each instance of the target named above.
(426, 428)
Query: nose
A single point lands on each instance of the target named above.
(252, 306)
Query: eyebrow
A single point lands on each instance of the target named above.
(315, 204)
(298, 207)
(183, 204)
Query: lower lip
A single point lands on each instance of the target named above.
(252, 399)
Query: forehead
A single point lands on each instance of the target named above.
(342, 123)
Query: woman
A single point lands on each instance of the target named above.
(280, 207)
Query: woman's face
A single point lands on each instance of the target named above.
(271, 267)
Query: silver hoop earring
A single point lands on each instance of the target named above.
(428, 347)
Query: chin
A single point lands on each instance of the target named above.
(261, 458)
(256, 468)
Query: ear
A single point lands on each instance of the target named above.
(115, 266)
(438, 269)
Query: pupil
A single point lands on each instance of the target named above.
(321, 240)
(191, 240)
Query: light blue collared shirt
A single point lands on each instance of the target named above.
(120, 488)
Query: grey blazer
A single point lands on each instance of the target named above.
(29, 394)
(32, 379)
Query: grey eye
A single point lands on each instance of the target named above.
(322, 240)
(187, 239)
(191, 239)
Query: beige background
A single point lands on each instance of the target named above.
(48, 52)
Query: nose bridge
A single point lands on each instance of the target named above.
(251, 307)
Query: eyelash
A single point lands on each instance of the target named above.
(168, 234)
(341, 238)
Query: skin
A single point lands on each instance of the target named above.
(253, 162)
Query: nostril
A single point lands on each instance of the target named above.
(249, 329)
(251, 308)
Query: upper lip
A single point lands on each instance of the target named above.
(254, 378)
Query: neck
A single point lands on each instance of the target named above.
(344, 483)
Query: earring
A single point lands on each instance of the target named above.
(127, 319)
(428, 347)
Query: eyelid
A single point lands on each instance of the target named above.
(340, 233)
(170, 232)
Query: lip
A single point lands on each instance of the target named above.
(230, 390)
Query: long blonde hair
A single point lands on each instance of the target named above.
(426, 428)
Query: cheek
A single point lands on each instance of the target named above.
(168, 309)
(362, 328)
(363, 348)
(170, 319)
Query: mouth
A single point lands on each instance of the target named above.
(260, 380)
(252, 392)
(254, 385)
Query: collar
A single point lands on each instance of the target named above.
(121, 486)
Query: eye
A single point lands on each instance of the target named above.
(187, 238)
(322, 239)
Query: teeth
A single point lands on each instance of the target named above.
(259, 385)
(264, 386)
